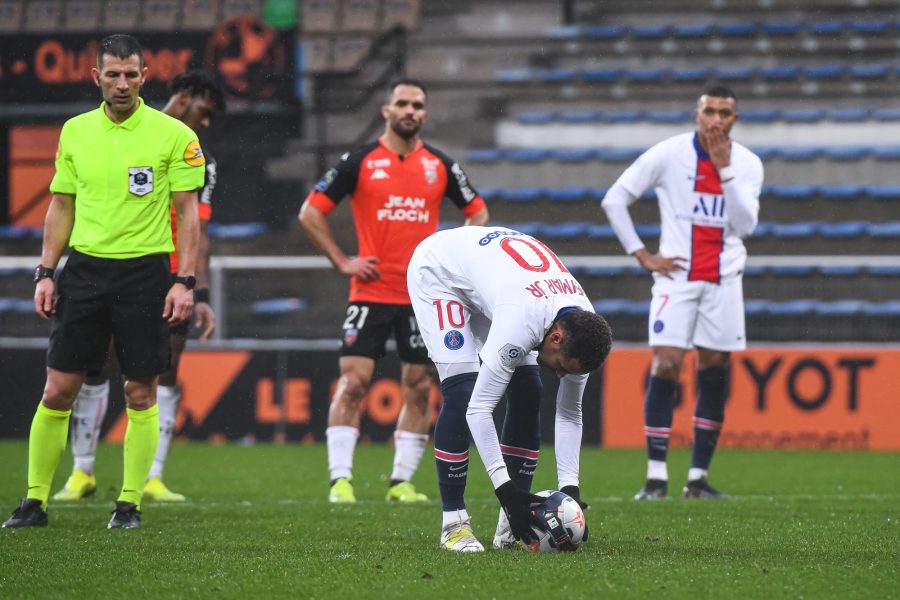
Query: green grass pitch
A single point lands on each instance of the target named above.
(802, 525)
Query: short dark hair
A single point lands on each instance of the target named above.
(588, 337)
(119, 45)
(407, 81)
(718, 90)
(199, 83)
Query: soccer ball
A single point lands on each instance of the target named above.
(562, 523)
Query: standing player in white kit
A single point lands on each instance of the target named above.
(708, 189)
(497, 295)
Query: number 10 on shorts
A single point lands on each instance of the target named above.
(452, 310)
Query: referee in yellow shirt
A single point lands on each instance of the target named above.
(119, 169)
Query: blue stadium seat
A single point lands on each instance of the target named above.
(794, 192)
(767, 152)
(754, 271)
(756, 307)
(639, 308)
(646, 230)
(556, 75)
(733, 73)
(484, 155)
(649, 194)
(604, 32)
(883, 191)
(649, 31)
(792, 270)
(845, 153)
(601, 75)
(587, 116)
(528, 228)
(278, 306)
(847, 229)
(877, 71)
(622, 116)
(890, 229)
(849, 115)
(886, 114)
(875, 27)
(735, 29)
(690, 74)
(19, 232)
(670, 116)
(883, 271)
(831, 28)
(760, 116)
(800, 153)
(537, 117)
(598, 193)
(839, 307)
(573, 194)
(762, 229)
(567, 230)
(618, 154)
(515, 75)
(800, 229)
(527, 155)
(523, 194)
(824, 71)
(692, 31)
(791, 307)
(841, 191)
(783, 28)
(237, 231)
(605, 271)
(611, 306)
(841, 271)
(890, 308)
(491, 193)
(600, 231)
(803, 115)
(652, 74)
(779, 73)
(886, 152)
(574, 154)
(565, 32)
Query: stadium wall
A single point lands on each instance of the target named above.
(782, 397)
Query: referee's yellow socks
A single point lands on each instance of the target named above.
(141, 437)
(46, 444)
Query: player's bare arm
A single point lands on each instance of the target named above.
(204, 315)
(657, 263)
(479, 218)
(315, 223)
(57, 229)
(180, 299)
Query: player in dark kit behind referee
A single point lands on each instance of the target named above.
(122, 165)
(396, 186)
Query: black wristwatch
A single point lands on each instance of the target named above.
(42, 272)
(189, 282)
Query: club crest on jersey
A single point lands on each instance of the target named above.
(511, 355)
(430, 166)
(658, 326)
(454, 340)
(350, 336)
(140, 180)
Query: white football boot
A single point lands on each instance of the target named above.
(503, 538)
(458, 537)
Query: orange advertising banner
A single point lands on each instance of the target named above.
(781, 397)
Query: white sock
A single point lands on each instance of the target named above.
(87, 416)
(341, 441)
(454, 516)
(167, 397)
(694, 473)
(408, 450)
(656, 469)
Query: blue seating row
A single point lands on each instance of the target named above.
(802, 115)
(609, 154)
(872, 27)
(755, 271)
(868, 71)
(801, 307)
(795, 230)
(216, 230)
(278, 306)
(781, 192)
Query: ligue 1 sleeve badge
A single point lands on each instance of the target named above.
(140, 180)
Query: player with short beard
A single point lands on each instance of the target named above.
(396, 185)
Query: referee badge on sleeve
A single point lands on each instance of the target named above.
(140, 180)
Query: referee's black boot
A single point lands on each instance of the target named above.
(700, 488)
(29, 514)
(126, 516)
(654, 489)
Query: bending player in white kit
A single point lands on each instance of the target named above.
(503, 297)
(708, 189)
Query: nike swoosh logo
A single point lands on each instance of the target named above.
(32, 487)
(527, 466)
(458, 468)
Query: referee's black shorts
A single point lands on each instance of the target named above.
(102, 297)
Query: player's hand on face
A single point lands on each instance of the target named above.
(518, 504)
(664, 265)
(179, 304)
(363, 267)
(44, 304)
(719, 146)
(204, 318)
